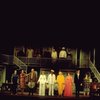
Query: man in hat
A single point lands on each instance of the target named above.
(51, 82)
(63, 58)
(63, 53)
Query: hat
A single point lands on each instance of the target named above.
(63, 48)
(52, 70)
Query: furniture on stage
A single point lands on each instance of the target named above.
(6, 87)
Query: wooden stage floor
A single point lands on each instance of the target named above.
(25, 96)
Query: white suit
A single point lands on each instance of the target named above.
(42, 81)
(51, 82)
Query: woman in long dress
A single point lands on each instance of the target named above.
(42, 84)
(22, 81)
(68, 85)
(60, 81)
(87, 80)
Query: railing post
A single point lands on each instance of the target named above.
(94, 56)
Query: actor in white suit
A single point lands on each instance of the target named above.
(51, 83)
(42, 83)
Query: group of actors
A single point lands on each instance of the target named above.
(64, 83)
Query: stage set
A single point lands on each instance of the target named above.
(51, 62)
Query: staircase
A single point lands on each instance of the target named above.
(94, 70)
(1, 67)
(19, 63)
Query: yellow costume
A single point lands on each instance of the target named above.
(60, 81)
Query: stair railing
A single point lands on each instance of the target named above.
(94, 70)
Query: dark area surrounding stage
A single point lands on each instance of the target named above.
(70, 30)
(70, 27)
(45, 38)
(80, 33)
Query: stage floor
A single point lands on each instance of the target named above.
(25, 96)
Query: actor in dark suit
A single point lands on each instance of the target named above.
(14, 82)
(77, 82)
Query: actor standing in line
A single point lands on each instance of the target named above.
(22, 81)
(77, 81)
(42, 83)
(51, 83)
(68, 85)
(60, 82)
(32, 77)
(14, 80)
(86, 83)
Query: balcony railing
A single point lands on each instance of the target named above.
(38, 61)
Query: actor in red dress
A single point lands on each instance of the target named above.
(68, 85)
